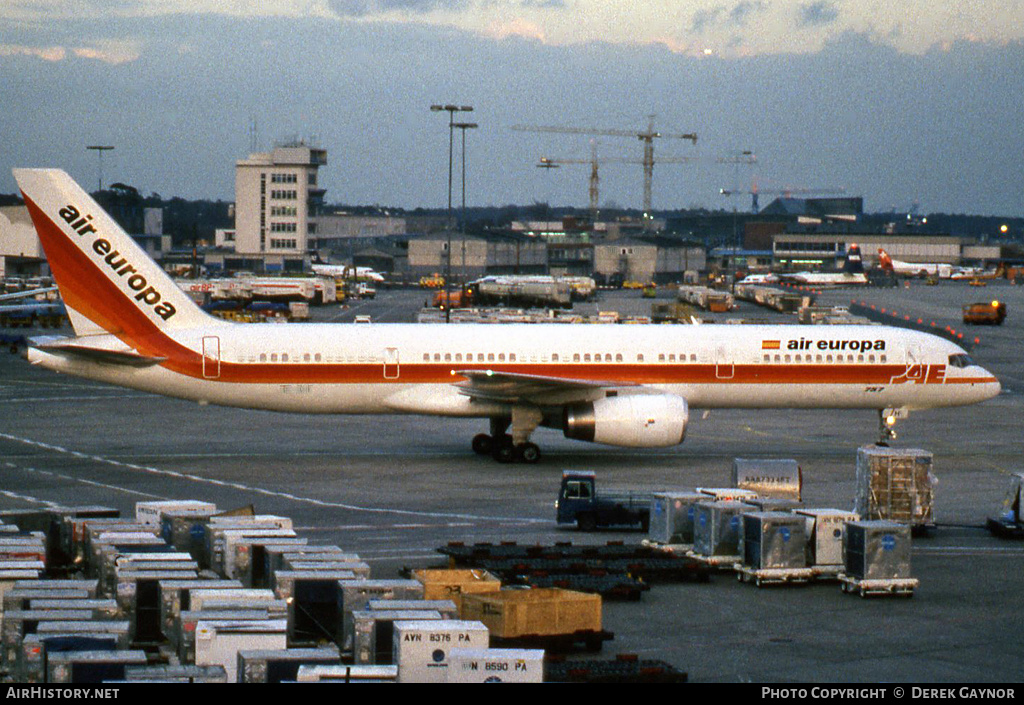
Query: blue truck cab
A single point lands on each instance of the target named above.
(579, 503)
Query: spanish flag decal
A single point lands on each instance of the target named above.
(769, 344)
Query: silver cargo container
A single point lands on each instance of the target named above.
(31, 661)
(221, 543)
(91, 666)
(824, 529)
(18, 623)
(717, 528)
(358, 568)
(347, 674)
(447, 608)
(274, 557)
(151, 513)
(138, 596)
(774, 477)
(20, 599)
(102, 608)
(774, 504)
(184, 530)
(877, 550)
(774, 540)
(313, 602)
(175, 596)
(372, 635)
(254, 574)
(279, 665)
(672, 515)
(355, 594)
(727, 494)
(188, 673)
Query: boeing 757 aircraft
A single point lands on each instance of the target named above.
(619, 385)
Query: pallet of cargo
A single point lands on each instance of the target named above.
(772, 576)
(590, 641)
(626, 668)
(903, 587)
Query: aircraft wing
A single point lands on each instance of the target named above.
(512, 387)
(78, 351)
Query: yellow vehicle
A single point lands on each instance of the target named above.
(434, 281)
(985, 313)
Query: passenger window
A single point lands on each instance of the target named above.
(554, 357)
(273, 357)
(447, 357)
(426, 357)
(618, 357)
(263, 357)
(284, 357)
(575, 357)
(672, 357)
(787, 358)
(767, 358)
(828, 358)
(586, 357)
(882, 358)
(316, 357)
(511, 357)
(437, 357)
(640, 357)
(860, 358)
(778, 359)
(693, 357)
(306, 357)
(661, 357)
(871, 358)
(490, 357)
(501, 357)
(458, 357)
(817, 358)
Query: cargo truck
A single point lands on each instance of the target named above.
(579, 503)
(985, 313)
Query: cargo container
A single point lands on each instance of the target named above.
(138, 595)
(219, 641)
(276, 558)
(32, 653)
(824, 529)
(313, 602)
(877, 558)
(452, 584)
(537, 612)
(91, 666)
(175, 597)
(895, 484)
(372, 636)
(672, 515)
(421, 648)
(347, 674)
(21, 599)
(774, 549)
(19, 623)
(187, 673)
(221, 543)
(1009, 523)
(281, 665)
(184, 530)
(728, 494)
(496, 666)
(717, 531)
(151, 513)
(355, 594)
(246, 555)
(185, 636)
(447, 608)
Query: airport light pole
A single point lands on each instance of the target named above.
(451, 110)
(462, 275)
(100, 149)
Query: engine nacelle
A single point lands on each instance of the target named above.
(634, 421)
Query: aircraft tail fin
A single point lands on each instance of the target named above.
(884, 260)
(108, 283)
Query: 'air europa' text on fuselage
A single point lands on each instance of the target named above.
(118, 263)
(851, 345)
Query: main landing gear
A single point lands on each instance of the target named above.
(514, 447)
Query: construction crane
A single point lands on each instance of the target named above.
(647, 137)
(784, 192)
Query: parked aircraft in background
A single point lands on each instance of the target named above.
(852, 273)
(760, 279)
(347, 272)
(620, 385)
(914, 269)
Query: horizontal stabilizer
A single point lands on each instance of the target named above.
(71, 350)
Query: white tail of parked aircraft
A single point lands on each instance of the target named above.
(619, 385)
(914, 269)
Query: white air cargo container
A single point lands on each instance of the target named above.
(150, 513)
(672, 516)
(185, 637)
(496, 666)
(219, 641)
(176, 595)
(824, 528)
(276, 666)
(373, 632)
(422, 648)
(347, 674)
(223, 541)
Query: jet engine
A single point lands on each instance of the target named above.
(634, 421)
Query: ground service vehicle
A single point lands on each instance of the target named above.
(579, 503)
(985, 313)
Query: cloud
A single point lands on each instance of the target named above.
(110, 52)
(515, 28)
(44, 53)
(363, 8)
(719, 15)
(739, 14)
(817, 13)
(703, 19)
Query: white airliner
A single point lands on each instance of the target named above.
(619, 385)
(914, 269)
(345, 271)
(759, 279)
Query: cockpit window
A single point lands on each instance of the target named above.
(960, 360)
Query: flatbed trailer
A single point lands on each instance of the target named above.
(902, 587)
(773, 576)
(626, 668)
(585, 640)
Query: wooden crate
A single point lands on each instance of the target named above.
(535, 612)
(453, 583)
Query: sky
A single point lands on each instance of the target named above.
(912, 104)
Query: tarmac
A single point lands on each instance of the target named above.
(393, 489)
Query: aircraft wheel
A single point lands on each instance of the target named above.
(483, 444)
(528, 453)
(504, 451)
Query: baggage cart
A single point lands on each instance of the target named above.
(902, 587)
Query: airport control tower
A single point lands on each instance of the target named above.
(277, 195)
